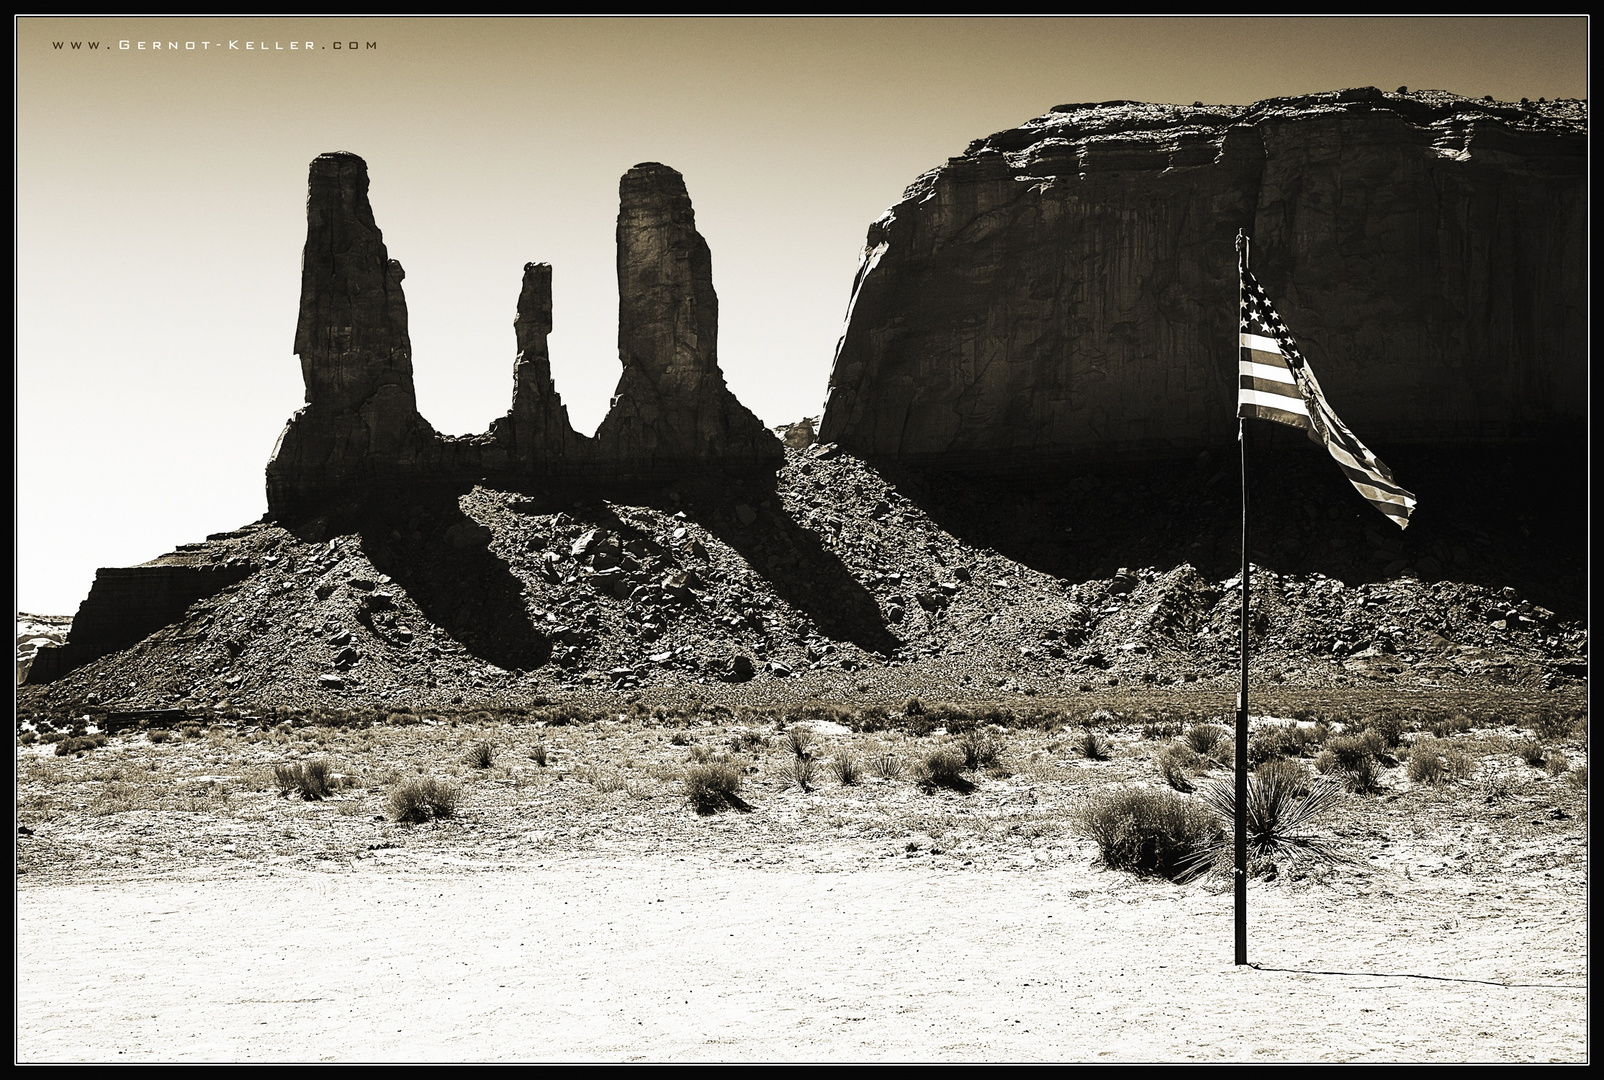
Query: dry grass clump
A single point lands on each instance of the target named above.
(888, 766)
(481, 755)
(1556, 763)
(422, 798)
(943, 767)
(980, 750)
(714, 786)
(1355, 759)
(804, 772)
(1148, 831)
(309, 778)
(1204, 738)
(800, 742)
(537, 754)
(158, 735)
(1425, 763)
(1532, 753)
(846, 770)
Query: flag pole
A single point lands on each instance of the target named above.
(1240, 862)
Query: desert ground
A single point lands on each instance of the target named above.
(181, 898)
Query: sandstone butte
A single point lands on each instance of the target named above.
(1063, 292)
(1066, 289)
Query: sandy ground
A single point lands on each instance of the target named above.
(816, 958)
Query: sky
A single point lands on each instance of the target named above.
(161, 193)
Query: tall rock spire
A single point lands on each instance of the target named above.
(672, 406)
(542, 437)
(360, 424)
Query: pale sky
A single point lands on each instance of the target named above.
(161, 204)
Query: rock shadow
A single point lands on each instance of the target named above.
(1496, 517)
(749, 515)
(441, 557)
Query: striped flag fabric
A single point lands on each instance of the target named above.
(1275, 383)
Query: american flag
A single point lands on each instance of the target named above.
(1275, 383)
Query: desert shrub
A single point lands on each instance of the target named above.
(943, 767)
(537, 754)
(1364, 778)
(1458, 764)
(158, 735)
(28, 738)
(1281, 803)
(1530, 752)
(1388, 725)
(191, 731)
(980, 750)
(1276, 742)
(1177, 764)
(481, 755)
(800, 741)
(1556, 763)
(846, 769)
(1425, 765)
(913, 707)
(310, 779)
(1161, 730)
(745, 742)
(680, 738)
(888, 766)
(1149, 831)
(1205, 737)
(76, 743)
(713, 786)
(1457, 724)
(1551, 724)
(1093, 746)
(1347, 751)
(1577, 776)
(422, 798)
(1285, 772)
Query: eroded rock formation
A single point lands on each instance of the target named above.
(1067, 288)
(360, 431)
(672, 407)
(536, 433)
(126, 603)
(360, 425)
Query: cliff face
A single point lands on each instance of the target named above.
(360, 431)
(1068, 288)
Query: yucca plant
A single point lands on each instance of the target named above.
(1093, 746)
(800, 740)
(1280, 808)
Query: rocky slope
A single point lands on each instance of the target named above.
(836, 583)
(1067, 289)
